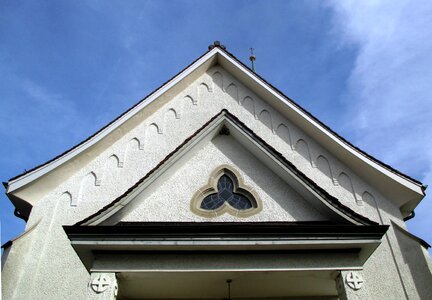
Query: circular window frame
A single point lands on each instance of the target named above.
(239, 188)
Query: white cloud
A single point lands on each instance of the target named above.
(390, 92)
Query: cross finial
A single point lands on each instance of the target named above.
(252, 58)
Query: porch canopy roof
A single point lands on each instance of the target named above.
(246, 245)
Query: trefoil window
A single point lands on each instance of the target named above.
(225, 192)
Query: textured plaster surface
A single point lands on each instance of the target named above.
(140, 149)
(43, 265)
(346, 292)
(226, 262)
(172, 200)
(415, 263)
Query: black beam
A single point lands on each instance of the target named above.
(175, 230)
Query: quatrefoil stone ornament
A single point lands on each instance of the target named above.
(100, 283)
(354, 280)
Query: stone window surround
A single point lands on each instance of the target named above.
(239, 187)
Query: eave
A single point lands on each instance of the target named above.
(25, 189)
(405, 191)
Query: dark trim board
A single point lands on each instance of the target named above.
(253, 230)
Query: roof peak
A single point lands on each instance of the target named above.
(216, 44)
(405, 191)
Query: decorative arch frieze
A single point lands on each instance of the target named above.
(249, 104)
(88, 182)
(132, 146)
(323, 165)
(172, 113)
(369, 198)
(284, 133)
(226, 193)
(204, 91)
(110, 166)
(117, 162)
(302, 148)
(217, 78)
(189, 99)
(232, 91)
(67, 197)
(170, 116)
(346, 183)
(158, 128)
(204, 87)
(266, 118)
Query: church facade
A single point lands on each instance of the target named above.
(215, 186)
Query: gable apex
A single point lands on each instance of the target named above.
(25, 189)
(222, 123)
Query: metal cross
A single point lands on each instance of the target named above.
(100, 284)
(354, 280)
(252, 58)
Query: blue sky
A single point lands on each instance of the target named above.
(364, 68)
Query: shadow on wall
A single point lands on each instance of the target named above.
(266, 119)
(415, 259)
(217, 80)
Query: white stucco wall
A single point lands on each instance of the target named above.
(171, 201)
(45, 264)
